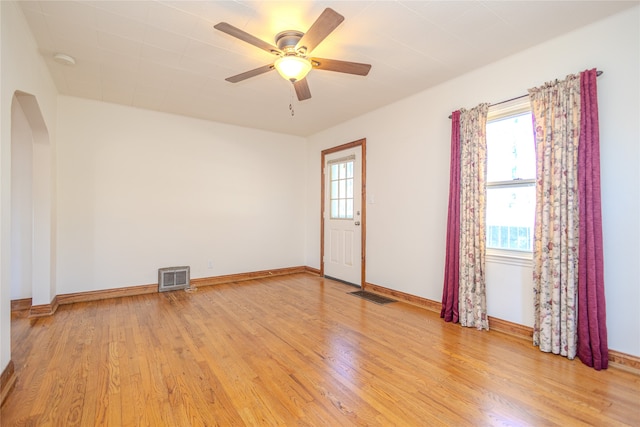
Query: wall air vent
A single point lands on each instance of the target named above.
(172, 278)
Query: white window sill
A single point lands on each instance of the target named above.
(523, 259)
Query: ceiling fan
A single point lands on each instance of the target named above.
(293, 49)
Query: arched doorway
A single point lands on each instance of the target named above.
(32, 212)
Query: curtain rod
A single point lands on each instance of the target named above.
(598, 73)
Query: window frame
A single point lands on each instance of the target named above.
(503, 110)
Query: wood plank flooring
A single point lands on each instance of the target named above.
(292, 350)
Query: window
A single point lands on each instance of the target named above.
(341, 178)
(511, 173)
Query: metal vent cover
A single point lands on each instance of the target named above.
(172, 278)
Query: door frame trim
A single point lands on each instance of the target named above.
(362, 143)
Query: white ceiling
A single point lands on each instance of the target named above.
(166, 55)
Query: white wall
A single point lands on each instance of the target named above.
(23, 69)
(141, 190)
(408, 169)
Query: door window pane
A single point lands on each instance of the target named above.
(342, 190)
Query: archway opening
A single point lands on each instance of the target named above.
(32, 267)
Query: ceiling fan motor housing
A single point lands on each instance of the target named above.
(287, 40)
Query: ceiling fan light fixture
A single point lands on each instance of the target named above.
(292, 68)
(293, 51)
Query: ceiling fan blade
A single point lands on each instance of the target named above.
(341, 66)
(248, 74)
(302, 89)
(246, 37)
(328, 20)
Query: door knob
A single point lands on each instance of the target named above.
(357, 223)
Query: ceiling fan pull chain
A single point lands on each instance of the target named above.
(293, 113)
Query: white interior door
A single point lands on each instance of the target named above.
(343, 215)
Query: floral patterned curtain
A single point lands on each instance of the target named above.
(473, 174)
(556, 111)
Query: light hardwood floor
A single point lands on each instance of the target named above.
(292, 350)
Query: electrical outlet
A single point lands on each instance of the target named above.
(210, 264)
